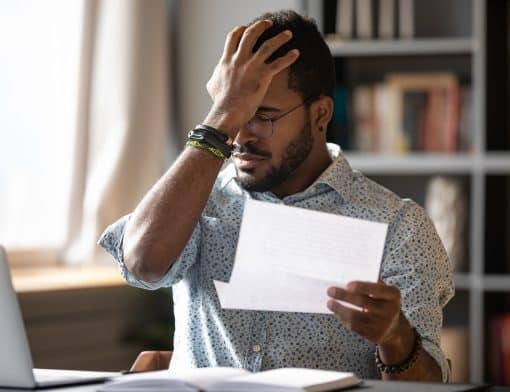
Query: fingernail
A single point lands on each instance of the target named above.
(288, 33)
(331, 291)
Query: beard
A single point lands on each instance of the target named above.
(295, 154)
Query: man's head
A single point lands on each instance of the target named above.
(313, 74)
(302, 93)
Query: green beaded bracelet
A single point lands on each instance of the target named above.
(204, 146)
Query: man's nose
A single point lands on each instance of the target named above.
(244, 136)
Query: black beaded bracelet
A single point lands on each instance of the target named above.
(218, 134)
(206, 136)
(404, 365)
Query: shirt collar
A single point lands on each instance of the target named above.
(227, 174)
(338, 175)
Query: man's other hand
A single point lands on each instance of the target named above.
(377, 317)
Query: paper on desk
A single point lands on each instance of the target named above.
(287, 257)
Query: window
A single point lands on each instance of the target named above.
(39, 79)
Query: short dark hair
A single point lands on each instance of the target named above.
(313, 73)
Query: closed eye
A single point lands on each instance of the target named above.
(262, 117)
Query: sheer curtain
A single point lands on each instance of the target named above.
(39, 72)
(121, 144)
(84, 118)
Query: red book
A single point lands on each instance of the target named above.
(499, 349)
(452, 118)
(495, 355)
(505, 348)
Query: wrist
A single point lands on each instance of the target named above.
(224, 122)
(403, 366)
(400, 343)
(210, 139)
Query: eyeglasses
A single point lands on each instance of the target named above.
(263, 126)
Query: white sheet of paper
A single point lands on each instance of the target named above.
(287, 257)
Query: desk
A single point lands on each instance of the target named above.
(367, 386)
(401, 386)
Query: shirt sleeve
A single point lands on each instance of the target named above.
(416, 262)
(111, 241)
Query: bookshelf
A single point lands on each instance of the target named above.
(468, 39)
(461, 163)
(417, 46)
(415, 163)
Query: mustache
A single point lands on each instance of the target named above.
(248, 148)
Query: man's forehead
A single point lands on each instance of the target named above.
(278, 93)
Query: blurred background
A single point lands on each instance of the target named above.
(96, 97)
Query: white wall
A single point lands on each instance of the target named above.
(201, 29)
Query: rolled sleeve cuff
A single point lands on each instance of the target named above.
(111, 241)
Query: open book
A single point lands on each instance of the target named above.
(225, 379)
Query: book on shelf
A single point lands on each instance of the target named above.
(413, 116)
(223, 379)
(364, 114)
(499, 349)
(406, 19)
(389, 139)
(344, 25)
(368, 19)
(412, 112)
(386, 19)
(466, 121)
(338, 128)
(364, 19)
(446, 205)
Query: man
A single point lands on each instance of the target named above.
(272, 94)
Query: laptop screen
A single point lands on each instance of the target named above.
(16, 361)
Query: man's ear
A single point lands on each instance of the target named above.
(321, 113)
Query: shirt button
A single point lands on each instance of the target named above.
(256, 348)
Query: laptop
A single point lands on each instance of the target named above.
(16, 366)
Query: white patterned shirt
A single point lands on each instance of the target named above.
(414, 260)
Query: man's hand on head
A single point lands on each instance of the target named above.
(241, 77)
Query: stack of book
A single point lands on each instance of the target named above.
(368, 19)
(428, 112)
